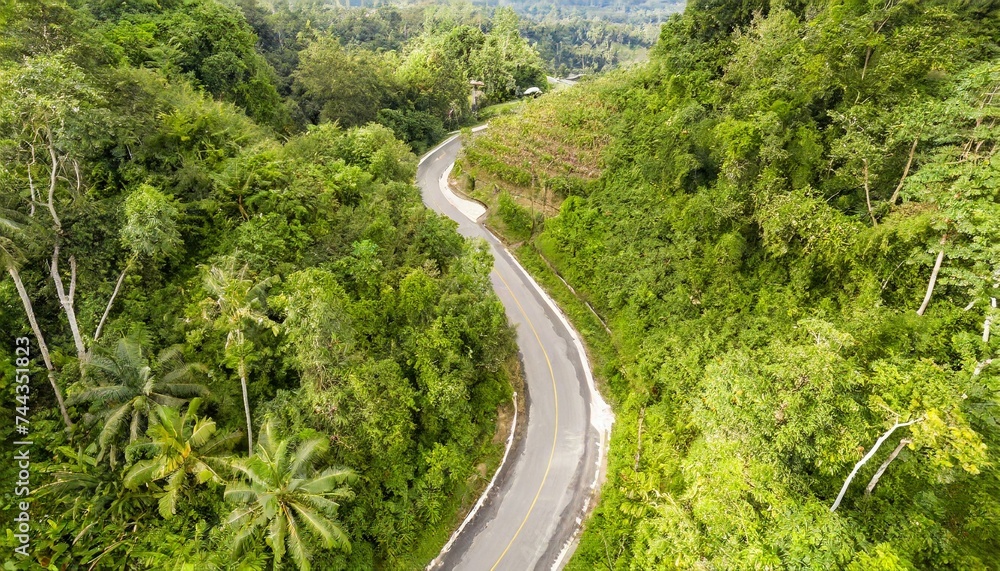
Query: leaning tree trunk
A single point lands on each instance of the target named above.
(246, 404)
(867, 457)
(114, 294)
(42, 347)
(881, 469)
(934, 275)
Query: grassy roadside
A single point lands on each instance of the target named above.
(465, 496)
(596, 340)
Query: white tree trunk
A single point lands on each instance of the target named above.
(980, 366)
(42, 347)
(906, 171)
(989, 319)
(66, 300)
(930, 285)
(867, 457)
(868, 196)
(53, 178)
(246, 405)
(114, 294)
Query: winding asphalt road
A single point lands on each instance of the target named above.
(530, 515)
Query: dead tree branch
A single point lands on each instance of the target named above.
(868, 195)
(906, 171)
(867, 457)
(881, 469)
(66, 300)
(934, 275)
(114, 294)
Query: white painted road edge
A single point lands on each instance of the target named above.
(482, 497)
(601, 416)
(471, 209)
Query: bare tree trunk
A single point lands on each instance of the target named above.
(66, 300)
(114, 294)
(867, 457)
(246, 405)
(52, 182)
(980, 366)
(31, 182)
(868, 196)
(638, 446)
(42, 347)
(906, 171)
(934, 275)
(881, 469)
(989, 320)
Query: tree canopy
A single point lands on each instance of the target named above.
(788, 225)
(194, 267)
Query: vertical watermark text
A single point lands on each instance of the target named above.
(22, 445)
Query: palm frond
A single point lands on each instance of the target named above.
(102, 395)
(239, 516)
(170, 358)
(321, 503)
(182, 372)
(329, 480)
(305, 454)
(113, 425)
(167, 401)
(278, 534)
(241, 542)
(183, 390)
(297, 544)
(267, 439)
(224, 442)
(323, 526)
(142, 472)
(239, 493)
(251, 468)
(128, 353)
(202, 432)
(171, 492)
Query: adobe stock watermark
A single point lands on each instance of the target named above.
(22, 446)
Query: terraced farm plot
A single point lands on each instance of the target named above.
(526, 164)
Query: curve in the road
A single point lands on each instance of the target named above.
(530, 514)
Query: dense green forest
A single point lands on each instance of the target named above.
(406, 69)
(567, 43)
(634, 11)
(631, 11)
(251, 346)
(788, 220)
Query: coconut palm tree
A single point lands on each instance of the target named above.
(282, 494)
(130, 388)
(236, 304)
(82, 490)
(184, 448)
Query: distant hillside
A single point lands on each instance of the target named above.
(638, 11)
(607, 10)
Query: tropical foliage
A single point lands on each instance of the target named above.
(194, 267)
(792, 240)
(282, 492)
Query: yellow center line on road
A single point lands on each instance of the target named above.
(555, 430)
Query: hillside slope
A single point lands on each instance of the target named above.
(794, 242)
(237, 350)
